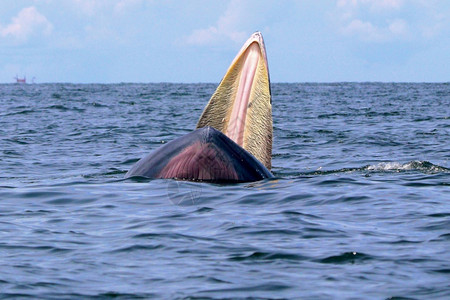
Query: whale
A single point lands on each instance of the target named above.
(232, 142)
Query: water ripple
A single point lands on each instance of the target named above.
(358, 209)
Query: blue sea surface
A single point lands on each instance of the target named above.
(359, 209)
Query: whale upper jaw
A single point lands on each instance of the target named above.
(241, 105)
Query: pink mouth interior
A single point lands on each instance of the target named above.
(236, 125)
(201, 162)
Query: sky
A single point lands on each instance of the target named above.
(111, 41)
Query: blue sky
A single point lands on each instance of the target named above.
(106, 41)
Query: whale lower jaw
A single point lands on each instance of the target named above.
(203, 155)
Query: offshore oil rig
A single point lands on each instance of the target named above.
(20, 80)
(23, 79)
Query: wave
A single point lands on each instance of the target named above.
(416, 165)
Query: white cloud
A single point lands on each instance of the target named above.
(385, 4)
(373, 4)
(398, 27)
(224, 29)
(28, 22)
(367, 31)
(123, 5)
(95, 7)
(389, 20)
(89, 7)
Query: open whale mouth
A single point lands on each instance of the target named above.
(241, 105)
(233, 142)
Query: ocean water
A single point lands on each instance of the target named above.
(359, 209)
